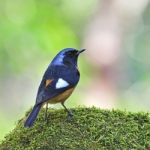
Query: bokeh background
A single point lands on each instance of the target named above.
(115, 69)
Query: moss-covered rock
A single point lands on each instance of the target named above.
(90, 129)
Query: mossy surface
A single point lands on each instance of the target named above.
(90, 129)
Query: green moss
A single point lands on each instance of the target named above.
(90, 129)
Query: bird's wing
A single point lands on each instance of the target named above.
(51, 86)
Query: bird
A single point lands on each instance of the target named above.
(58, 82)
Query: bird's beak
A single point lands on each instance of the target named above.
(80, 51)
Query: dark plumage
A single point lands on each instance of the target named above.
(58, 82)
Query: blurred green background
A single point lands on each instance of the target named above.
(33, 32)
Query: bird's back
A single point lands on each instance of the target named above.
(70, 75)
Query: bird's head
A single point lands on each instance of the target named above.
(67, 56)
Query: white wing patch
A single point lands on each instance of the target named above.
(61, 83)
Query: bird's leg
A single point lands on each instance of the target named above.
(46, 119)
(70, 114)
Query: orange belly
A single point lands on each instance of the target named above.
(62, 97)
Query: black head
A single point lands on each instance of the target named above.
(67, 56)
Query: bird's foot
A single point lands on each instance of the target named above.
(69, 116)
(46, 119)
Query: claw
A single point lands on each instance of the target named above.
(69, 116)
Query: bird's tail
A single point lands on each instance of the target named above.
(33, 115)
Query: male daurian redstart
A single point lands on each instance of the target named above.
(58, 82)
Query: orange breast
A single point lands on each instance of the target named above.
(62, 97)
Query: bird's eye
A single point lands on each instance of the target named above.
(72, 53)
